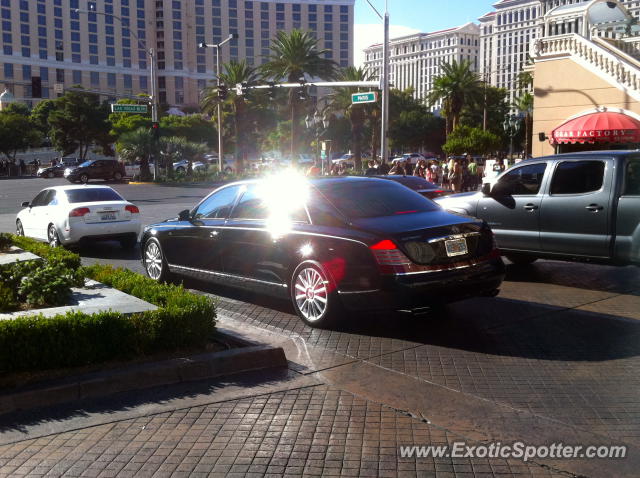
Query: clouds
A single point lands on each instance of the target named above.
(366, 35)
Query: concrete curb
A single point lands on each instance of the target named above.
(148, 375)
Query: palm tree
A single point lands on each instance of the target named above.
(233, 73)
(294, 55)
(138, 145)
(176, 148)
(524, 104)
(340, 102)
(457, 87)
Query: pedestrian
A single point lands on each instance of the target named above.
(398, 169)
(23, 167)
(455, 177)
(420, 170)
(371, 170)
(473, 175)
(314, 170)
(383, 168)
(342, 170)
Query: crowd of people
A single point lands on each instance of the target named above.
(457, 174)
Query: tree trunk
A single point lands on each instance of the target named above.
(294, 160)
(239, 126)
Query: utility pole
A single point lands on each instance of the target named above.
(384, 82)
(217, 46)
(384, 143)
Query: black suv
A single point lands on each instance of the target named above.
(95, 169)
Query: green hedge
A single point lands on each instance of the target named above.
(51, 254)
(75, 339)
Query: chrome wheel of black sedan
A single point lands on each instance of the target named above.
(327, 245)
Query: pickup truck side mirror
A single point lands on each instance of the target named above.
(26, 204)
(184, 215)
(486, 189)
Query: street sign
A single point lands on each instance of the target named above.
(323, 154)
(370, 97)
(117, 108)
(58, 87)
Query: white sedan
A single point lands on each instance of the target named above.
(71, 214)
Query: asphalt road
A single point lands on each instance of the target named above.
(554, 358)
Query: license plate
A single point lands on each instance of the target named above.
(456, 247)
(108, 216)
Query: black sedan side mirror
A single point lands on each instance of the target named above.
(26, 204)
(184, 215)
(486, 189)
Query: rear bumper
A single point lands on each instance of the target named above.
(100, 232)
(415, 291)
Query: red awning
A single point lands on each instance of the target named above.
(607, 127)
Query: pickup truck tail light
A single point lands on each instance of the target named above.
(79, 212)
(390, 259)
(132, 209)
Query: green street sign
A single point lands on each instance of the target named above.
(370, 97)
(116, 108)
(323, 155)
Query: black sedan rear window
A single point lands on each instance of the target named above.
(92, 195)
(375, 199)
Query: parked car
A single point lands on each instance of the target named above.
(574, 207)
(328, 243)
(70, 161)
(56, 171)
(133, 169)
(95, 169)
(419, 185)
(182, 166)
(72, 214)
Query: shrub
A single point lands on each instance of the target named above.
(182, 320)
(5, 241)
(50, 254)
(8, 302)
(48, 285)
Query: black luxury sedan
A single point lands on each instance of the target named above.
(418, 184)
(328, 244)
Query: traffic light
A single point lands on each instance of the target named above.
(155, 129)
(302, 94)
(36, 87)
(272, 91)
(223, 91)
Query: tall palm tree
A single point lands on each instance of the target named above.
(233, 73)
(340, 102)
(524, 104)
(295, 55)
(458, 86)
(138, 145)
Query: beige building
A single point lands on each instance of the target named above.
(586, 79)
(415, 60)
(507, 33)
(48, 39)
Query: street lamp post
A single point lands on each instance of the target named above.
(511, 127)
(384, 80)
(217, 46)
(153, 73)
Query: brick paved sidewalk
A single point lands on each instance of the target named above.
(312, 431)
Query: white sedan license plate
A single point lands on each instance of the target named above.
(456, 247)
(109, 216)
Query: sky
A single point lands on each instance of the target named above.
(411, 16)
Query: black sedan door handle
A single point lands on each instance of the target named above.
(530, 207)
(594, 207)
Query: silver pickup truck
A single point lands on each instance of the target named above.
(574, 207)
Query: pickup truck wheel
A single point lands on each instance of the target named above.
(521, 259)
(117, 176)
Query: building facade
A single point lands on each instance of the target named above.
(507, 33)
(415, 60)
(101, 51)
